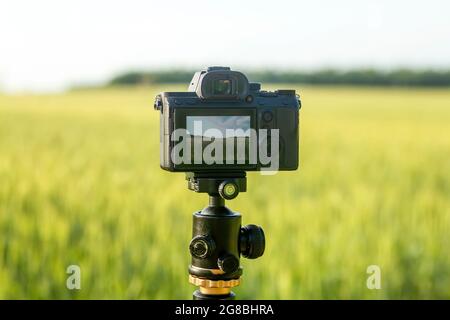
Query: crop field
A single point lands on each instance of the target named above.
(80, 184)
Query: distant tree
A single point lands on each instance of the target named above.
(400, 77)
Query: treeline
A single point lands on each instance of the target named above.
(401, 77)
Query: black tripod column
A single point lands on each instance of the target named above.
(217, 243)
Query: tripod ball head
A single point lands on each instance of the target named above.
(218, 237)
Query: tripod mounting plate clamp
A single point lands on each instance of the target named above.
(228, 186)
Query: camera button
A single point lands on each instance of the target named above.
(267, 116)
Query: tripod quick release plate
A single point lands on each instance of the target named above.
(227, 186)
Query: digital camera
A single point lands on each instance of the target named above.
(223, 124)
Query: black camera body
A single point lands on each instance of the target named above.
(239, 120)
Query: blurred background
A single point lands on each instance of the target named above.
(80, 182)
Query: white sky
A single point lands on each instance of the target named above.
(52, 44)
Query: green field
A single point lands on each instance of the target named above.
(80, 183)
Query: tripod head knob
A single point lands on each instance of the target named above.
(202, 246)
(252, 241)
(228, 263)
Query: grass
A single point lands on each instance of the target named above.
(80, 183)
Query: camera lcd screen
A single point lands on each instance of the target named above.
(238, 126)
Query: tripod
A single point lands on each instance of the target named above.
(218, 239)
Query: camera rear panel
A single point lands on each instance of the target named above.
(261, 110)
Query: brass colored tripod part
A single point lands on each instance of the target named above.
(217, 287)
(215, 291)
